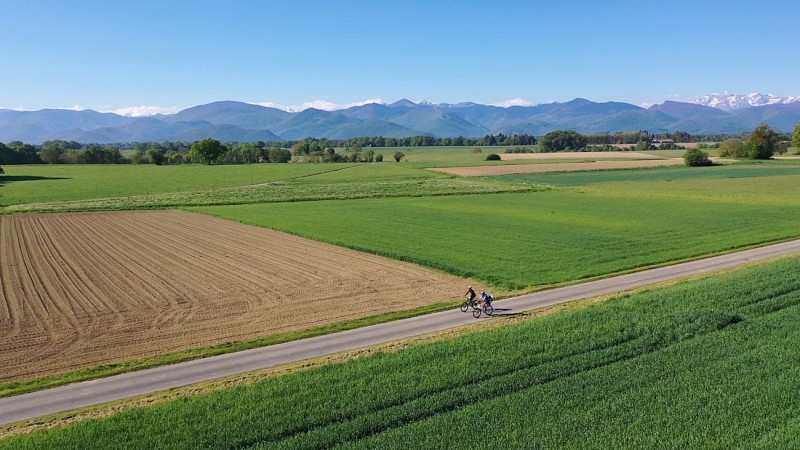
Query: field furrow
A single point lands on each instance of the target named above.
(85, 289)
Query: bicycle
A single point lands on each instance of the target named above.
(483, 307)
(469, 303)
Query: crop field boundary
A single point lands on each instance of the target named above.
(107, 409)
(432, 322)
(529, 289)
(176, 281)
(107, 370)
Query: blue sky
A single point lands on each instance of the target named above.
(170, 54)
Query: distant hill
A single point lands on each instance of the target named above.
(243, 115)
(313, 123)
(232, 121)
(35, 126)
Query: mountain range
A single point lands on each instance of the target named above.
(232, 121)
(728, 102)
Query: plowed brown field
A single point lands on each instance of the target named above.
(80, 290)
(577, 155)
(483, 171)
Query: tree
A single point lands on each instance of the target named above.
(762, 142)
(207, 150)
(18, 153)
(733, 148)
(399, 156)
(156, 155)
(111, 155)
(796, 138)
(174, 157)
(279, 155)
(559, 141)
(138, 156)
(249, 152)
(696, 157)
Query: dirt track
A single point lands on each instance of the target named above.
(482, 171)
(84, 289)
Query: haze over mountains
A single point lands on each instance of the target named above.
(243, 122)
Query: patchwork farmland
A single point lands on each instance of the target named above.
(84, 289)
(115, 291)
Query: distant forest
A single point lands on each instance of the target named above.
(70, 152)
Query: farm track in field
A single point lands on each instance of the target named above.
(79, 290)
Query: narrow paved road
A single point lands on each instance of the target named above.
(65, 398)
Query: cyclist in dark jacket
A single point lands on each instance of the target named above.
(471, 294)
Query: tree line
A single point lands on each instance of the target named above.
(361, 149)
(70, 152)
(430, 141)
(635, 137)
(762, 143)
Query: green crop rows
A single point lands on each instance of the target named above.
(520, 240)
(709, 363)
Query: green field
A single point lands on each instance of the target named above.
(424, 157)
(47, 188)
(708, 363)
(92, 188)
(516, 232)
(55, 183)
(443, 156)
(700, 175)
(523, 240)
(372, 182)
(58, 183)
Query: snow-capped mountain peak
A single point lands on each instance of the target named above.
(728, 102)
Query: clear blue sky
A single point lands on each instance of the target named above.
(113, 54)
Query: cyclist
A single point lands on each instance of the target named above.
(487, 299)
(471, 294)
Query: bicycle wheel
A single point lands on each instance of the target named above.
(489, 310)
(476, 313)
(464, 307)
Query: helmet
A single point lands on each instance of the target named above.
(483, 293)
(469, 287)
